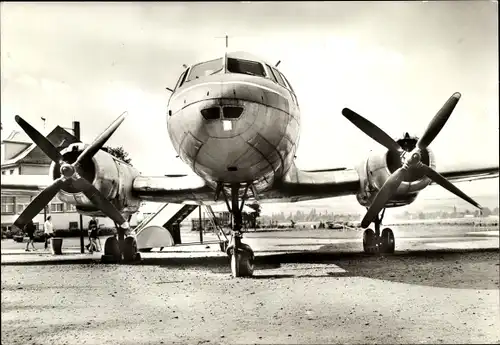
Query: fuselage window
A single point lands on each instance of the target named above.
(181, 79)
(205, 68)
(245, 67)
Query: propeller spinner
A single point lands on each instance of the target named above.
(69, 175)
(412, 160)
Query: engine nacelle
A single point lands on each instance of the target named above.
(379, 166)
(112, 177)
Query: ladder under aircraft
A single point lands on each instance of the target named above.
(162, 229)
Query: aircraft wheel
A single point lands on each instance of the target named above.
(242, 261)
(387, 241)
(111, 251)
(129, 249)
(369, 241)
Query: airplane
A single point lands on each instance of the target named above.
(235, 120)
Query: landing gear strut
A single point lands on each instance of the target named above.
(376, 242)
(242, 256)
(121, 249)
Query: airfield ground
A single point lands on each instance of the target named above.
(310, 287)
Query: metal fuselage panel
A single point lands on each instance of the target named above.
(259, 146)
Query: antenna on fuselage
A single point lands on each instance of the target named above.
(225, 52)
(277, 63)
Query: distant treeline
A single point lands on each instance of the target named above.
(315, 216)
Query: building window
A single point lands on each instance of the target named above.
(3, 172)
(12, 171)
(7, 204)
(70, 208)
(57, 207)
(21, 203)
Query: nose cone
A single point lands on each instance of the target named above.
(228, 127)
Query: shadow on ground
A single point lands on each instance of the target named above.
(462, 269)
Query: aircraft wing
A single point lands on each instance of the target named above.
(300, 185)
(470, 174)
(168, 188)
(172, 188)
(24, 184)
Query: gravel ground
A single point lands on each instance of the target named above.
(424, 298)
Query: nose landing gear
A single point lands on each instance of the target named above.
(241, 254)
(375, 242)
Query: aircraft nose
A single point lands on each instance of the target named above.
(222, 111)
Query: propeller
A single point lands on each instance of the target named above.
(412, 160)
(69, 175)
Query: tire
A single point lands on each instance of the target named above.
(388, 241)
(112, 250)
(242, 262)
(129, 249)
(369, 245)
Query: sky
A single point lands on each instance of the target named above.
(395, 63)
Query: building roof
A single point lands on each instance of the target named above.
(59, 137)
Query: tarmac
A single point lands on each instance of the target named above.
(309, 287)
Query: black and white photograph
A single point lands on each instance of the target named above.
(264, 172)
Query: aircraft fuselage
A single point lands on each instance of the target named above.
(235, 127)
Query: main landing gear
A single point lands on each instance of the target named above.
(376, 242)
(121, 249)
(241, 255)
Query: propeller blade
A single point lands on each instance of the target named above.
(41, 200)
(99, 142)
(43, 143)
(371, 130)
(443, 182)
(390, 186)
(438, 122)
(100, 201)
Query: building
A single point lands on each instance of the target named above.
(27, 162)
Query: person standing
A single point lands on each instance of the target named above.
(30, 229)
(93, 236)
(48, 230)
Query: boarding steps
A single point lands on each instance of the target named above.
(162, 229)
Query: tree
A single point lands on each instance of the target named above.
(118, 152)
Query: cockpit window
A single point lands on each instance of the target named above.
(286, 81)
(245, 67)
(205, 68)
(181, 79)
(278, 77)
